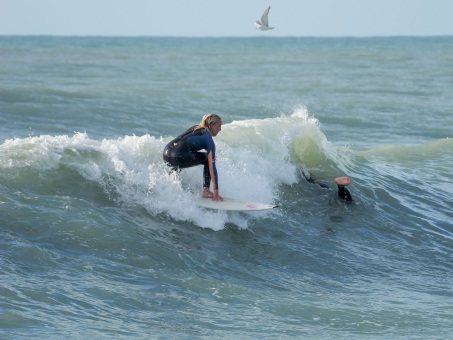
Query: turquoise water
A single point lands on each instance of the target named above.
(98, 239)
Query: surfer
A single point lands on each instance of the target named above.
(196, 147)
(341, 182)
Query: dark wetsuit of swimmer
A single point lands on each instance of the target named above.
(184, 152)
(343, 192)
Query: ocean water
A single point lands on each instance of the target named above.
(97, 239)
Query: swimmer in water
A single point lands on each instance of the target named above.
(341, 182)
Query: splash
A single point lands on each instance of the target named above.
(254, 158)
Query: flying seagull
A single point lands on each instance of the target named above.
(263, 25)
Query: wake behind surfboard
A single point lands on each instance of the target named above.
(232, 204)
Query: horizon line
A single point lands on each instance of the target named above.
(224, 36)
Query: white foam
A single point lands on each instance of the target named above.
(254, 157)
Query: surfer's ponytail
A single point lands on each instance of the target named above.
(207, 121)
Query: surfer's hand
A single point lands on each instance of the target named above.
(217, 197)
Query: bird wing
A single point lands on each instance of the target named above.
(264, 18)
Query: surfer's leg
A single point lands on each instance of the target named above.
(171, 157)
(206, 176)
(344, 193)
(173, 169)
(206, 181)
(183, 155)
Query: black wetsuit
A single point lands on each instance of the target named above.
(185, 151)
(343, 192)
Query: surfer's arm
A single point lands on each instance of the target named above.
(213, 173)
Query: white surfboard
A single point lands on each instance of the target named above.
(232, 204)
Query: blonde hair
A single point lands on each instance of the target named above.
(207, 121)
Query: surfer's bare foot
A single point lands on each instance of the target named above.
(207, 194)
(342, 181)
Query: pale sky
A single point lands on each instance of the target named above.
(213, 18)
